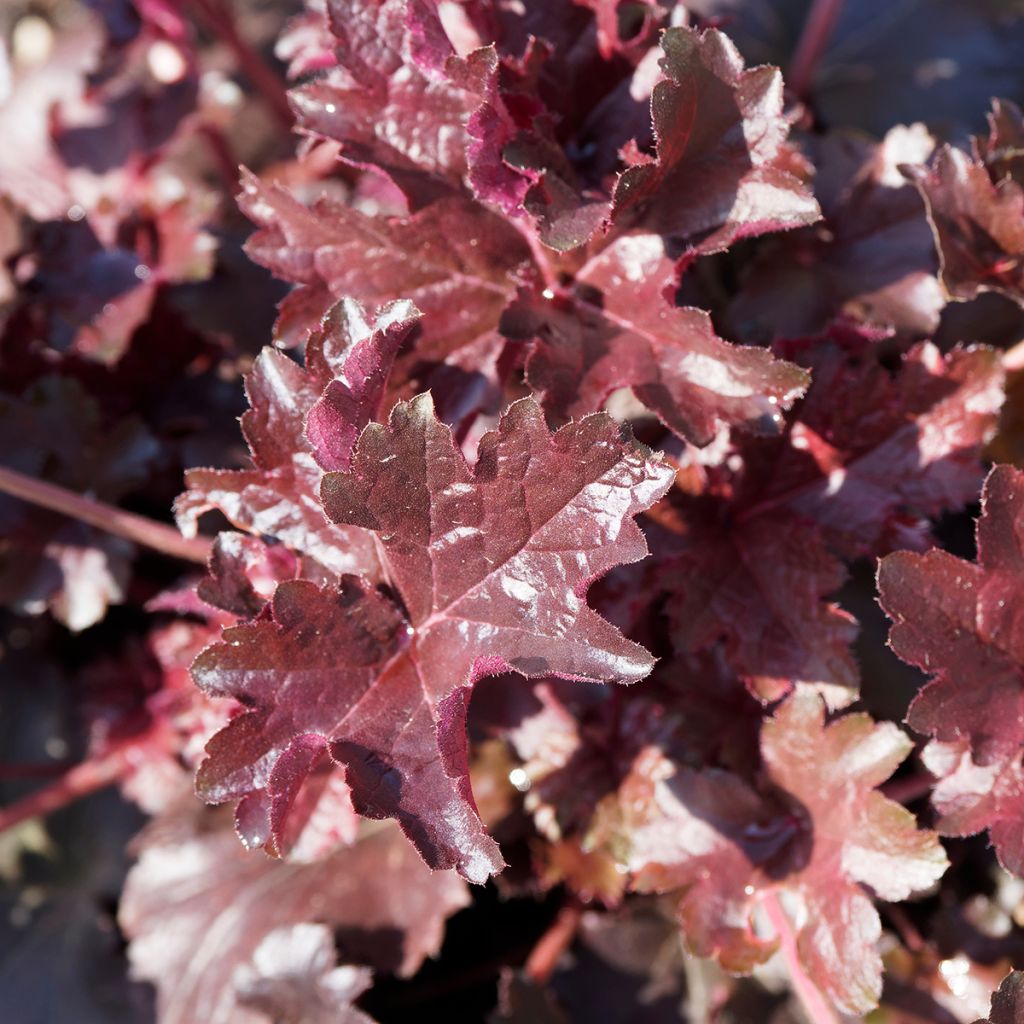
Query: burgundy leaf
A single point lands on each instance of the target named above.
(871, 259)
(978, 225)
(895, 449)
(959, 622)
(278, 497)
(455, 261)
(726, 848)
(703, 834)
(386, 111)
(361, 372)
(762, 589)
(855, 837)
(720, 170)
(343, 673)
(619, 331)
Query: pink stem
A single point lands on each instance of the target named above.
(83, 779)
(540, 255)
(814, 1003)
(139, 529)
(551, 946)
(821, 20)
(219, 18)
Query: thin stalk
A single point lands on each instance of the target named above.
(540, 255)
(83, 779)
(552, 945)
(219, 17)
(814, 1004)
(147, 532)
(45, 770)
(821, 20)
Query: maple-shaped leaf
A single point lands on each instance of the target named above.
(492, 568)
(978, 225)
(197, 907)
(279, 496)
(387, 111)
(702, 834)
(960, 623)
(619, 331)
(454, 260)
(762, 589)
(720, 170)
(294, 979)
(1008, 1001)
(900, 447)
(869, 455)
(855, 837)
(838, 835)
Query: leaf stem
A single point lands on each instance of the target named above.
(540, 255)
(813, 1002)
(151, 534)
(219, 17)
(75, 783)
(821, 20)
(551, 946)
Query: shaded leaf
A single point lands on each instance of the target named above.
(197, 907)
(294, 979)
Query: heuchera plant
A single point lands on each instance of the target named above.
(589, 369)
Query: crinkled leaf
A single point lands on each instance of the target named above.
(455, 261)
(386, 111)
(960, 623)
(619, 331)
(719, 172)
(197, 906)
(278, 497)
(492, 567)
